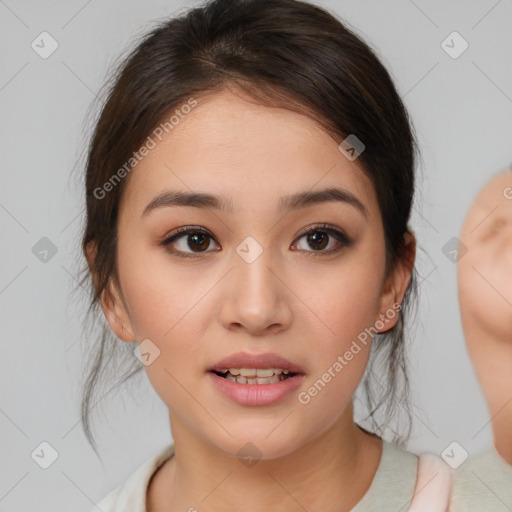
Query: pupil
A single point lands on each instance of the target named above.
(200, 236)
(313, 239)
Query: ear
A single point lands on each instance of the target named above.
(395, 286)
(111, 301)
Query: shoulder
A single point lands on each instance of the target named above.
(393, 483)
(434, 485)
(131, 494)
(483, 482)
(408, 482)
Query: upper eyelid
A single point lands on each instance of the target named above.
(184, 230)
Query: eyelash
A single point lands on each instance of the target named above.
(180, 232)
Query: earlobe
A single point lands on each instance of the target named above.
(110, 301)
(116, 314)
(396, 285)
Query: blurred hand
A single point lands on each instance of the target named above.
(485, 270)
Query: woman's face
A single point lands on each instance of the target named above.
(250, 283)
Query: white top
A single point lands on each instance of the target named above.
(130, 496)
(483, 482)
(393, 486)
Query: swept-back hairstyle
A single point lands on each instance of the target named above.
(284, 53)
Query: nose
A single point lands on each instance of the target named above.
(255, 296)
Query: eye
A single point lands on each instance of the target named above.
(195, 238)
(319, 237)
(189, 241)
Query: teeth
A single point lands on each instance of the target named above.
(255, 375)
(254, 380)
(268, 380)
(255, 372)
(265, 373)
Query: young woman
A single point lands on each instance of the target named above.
(249, 184)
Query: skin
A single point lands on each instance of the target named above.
(295, 301)
(485, 296)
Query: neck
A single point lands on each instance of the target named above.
(494, 372)
(330, 473)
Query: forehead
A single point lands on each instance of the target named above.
(232, 146)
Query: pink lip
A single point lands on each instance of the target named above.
(246, 360)
(256, 394)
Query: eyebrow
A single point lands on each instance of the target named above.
(286, 203)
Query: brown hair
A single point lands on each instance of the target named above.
(285, 53)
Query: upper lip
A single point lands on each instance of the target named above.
(246, 360)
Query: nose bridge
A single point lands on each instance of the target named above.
(253, 262)
(256, 297)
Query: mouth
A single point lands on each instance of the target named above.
(255, 379)
(255, 376)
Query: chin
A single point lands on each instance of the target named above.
(255, 443)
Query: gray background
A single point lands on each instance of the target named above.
(462, 110)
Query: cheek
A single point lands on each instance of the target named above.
(346, 306)
(169, 306)
(345, 298)
(161, 295)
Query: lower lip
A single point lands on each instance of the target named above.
(256, 394)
